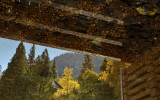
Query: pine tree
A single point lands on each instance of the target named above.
(88, 63)
(13, 84)
(43, 76)
(54, 69)
(31, 58)
(88, 82)
(94, 89)
(47, 72)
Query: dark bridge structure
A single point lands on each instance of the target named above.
(123, 30)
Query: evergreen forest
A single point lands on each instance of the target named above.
(30, 78)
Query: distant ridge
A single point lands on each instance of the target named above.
(74, 60)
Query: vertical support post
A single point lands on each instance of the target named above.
(121, 83)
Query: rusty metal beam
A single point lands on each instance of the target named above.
(24, 21)
(77, 41)
(73, 10)
(87, 13)
(28, 33)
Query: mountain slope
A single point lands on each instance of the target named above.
(74, 60)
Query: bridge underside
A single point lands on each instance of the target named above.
(108, 30)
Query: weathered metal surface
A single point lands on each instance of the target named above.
(17, 31)
(69, 26)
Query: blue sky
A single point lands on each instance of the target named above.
(8, 49)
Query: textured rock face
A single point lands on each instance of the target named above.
(73, 60)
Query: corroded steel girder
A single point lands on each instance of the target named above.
(55, 25)
(37, 35)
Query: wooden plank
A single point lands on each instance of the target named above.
(155, 92)
(52, 28)
(148, 77)
(140, 95)
(125, 97)
(125, 90)
(139, 72)
(125, 76)
(138, 88)
(138, 80)
(149, 98)
(125, 83)
(132, 68)
(80, 12)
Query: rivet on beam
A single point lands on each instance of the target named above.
(9, 11)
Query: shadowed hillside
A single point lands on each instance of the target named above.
(74, 60)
